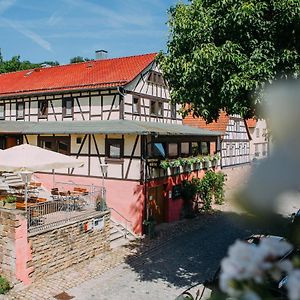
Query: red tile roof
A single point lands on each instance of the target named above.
(251, 123)
(87, 75)
(220, 125)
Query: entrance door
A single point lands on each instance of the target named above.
(12, 141)
(2, 142)
(157, 203)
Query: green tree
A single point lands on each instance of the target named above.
(15, 64)
(78, 59)
(221, 52)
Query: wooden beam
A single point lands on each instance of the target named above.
(112, 105)
(79, 150)
(131, 156)
(82, 115)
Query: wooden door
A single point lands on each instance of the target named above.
(157, 203)
(11, 141)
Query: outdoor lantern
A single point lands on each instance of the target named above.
(102, 204)
(26, 177)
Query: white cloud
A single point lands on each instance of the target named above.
(5, 4)
(54, 19)
(114, 18)
(28, 33)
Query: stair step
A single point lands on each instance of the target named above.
(116, 236)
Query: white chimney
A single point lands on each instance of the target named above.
(101, 54)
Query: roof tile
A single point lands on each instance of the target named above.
(92, 74)
(220, 125)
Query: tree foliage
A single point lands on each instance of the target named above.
(221, 52)
(78, 59)
(15, 64)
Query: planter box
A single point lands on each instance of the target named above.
(8, 205)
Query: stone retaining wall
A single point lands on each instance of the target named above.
(62, 247)
(26, 257)
(8, 225)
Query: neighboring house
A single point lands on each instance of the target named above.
(259, 143)
(235, 140)
(115, 112)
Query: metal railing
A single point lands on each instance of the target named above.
(126, 222)
(65, 206)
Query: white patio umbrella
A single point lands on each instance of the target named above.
(27, 159)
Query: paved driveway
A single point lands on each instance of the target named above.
(180, 258)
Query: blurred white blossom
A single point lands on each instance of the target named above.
(280, 172)
(274, 247)
(293, 285)
(249, 262)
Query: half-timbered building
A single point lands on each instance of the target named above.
(113, 112)
(235, 140)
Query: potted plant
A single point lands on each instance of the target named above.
(206, 162)
(198, 162)
(215, 160)
(10, 202)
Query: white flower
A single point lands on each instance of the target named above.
(250, 295)
(293, 285)
(274, 247)
(244, 262)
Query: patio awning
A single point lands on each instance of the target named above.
(102, 127)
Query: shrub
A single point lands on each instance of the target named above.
(4, 285)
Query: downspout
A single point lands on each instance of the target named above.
(144, 179)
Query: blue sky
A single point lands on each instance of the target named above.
(40, 30)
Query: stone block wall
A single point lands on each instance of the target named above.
(61, 247)
(26, 257)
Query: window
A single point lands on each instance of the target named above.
(136, 105)
(114, 148)
(156, 108)
(173, 150)
(205, 148)
(196, 149)
(2, 111)
(185, 149)
(156, 78)
(153, 108)
(68, 107)
(265, 133)
(173, 111)
(20, 110)
(43, 109)
(160, 108)
(256, 150)
(59, 144)
(257, 132)
(157, 150)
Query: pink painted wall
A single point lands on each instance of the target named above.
(23, 252)
(174, 207)
(126, 197)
